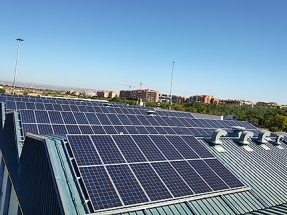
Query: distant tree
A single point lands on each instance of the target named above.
(25, 93)
(276, 123)
(2, 91)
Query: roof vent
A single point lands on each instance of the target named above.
(245, 137)
(236, 131)
(150, 112)
(262, 137)
(279, 138)
(215, 136)
(107, 104)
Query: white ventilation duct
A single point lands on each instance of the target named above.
(236, 131)
(245, 137)
(279, 138)
(150, 112)
(262, 137)
(215, 137)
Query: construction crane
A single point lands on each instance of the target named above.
(130, 86)
(140, 83)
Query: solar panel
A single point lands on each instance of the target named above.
(149, 149)
(103, 119)
(98, 129)
(110, 129)
(129, 149)
(84, 150)
(45, 129)
(197, 147)
(152, 184)
(73, 129)
(42, 116)
(127, 185)
(166, 148)
(86, 129)
(55, 117)
(101, 191)
(29, 128)
(80, 118)
(114, 119)
(208, 175)
(27, 116)
(68, 118)
(182, 147)
(174, 182)
(107, 149)
(224, 173)
(194, 181)
(59, 129)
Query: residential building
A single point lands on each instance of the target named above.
(103, 94)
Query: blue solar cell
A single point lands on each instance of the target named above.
(114, 119)
(10, 105)
(224, 173)
(129, 149)
(92, 118)
(143, 120)
(110, 129)
(148, 148)
(151, 184)
(130, 111)
(80, 118)
(194, 181)
(45, 129)
(152, 121)
(48, 106)
(208, 175)
(141, 130)
(177, 130)
(98, 129)
(90, 109)
(86, 129)
(59, 129)
(42, 116)
(20, 105)
(39, 106)
(177, 122)
(151, 130)
(182, 147)
(125, 111)
(200, 123)
(66, 107)
(134, 120)
(98, 109)
(82, 108)
(29, 128)
(74, 108)
(30, 105)
(169, 130)
(68, 118)
(57, 107)
(111, 110)
(107, 149)
(103, 119)
(105, 110)
(192, 122)
(73, 129)
(118, 110)
(160, 130)
(127, 185)
(55, 117)
(197, 147)
(121, 129)
(168, 121)
(166, 148)
(100, 189)
(27, 116)
(124, 120)
(131, 130)
(173, 181)
(83, 150)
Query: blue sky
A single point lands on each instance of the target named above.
(228, 49)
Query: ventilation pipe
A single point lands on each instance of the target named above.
(215, 137)
(245, 137)
(262, 137)
(236, 131)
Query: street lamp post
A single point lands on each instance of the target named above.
(170, 97)
(16, 67)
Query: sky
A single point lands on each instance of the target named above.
(227, 49)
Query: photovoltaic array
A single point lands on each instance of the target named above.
(126, 157)
(130, 170)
